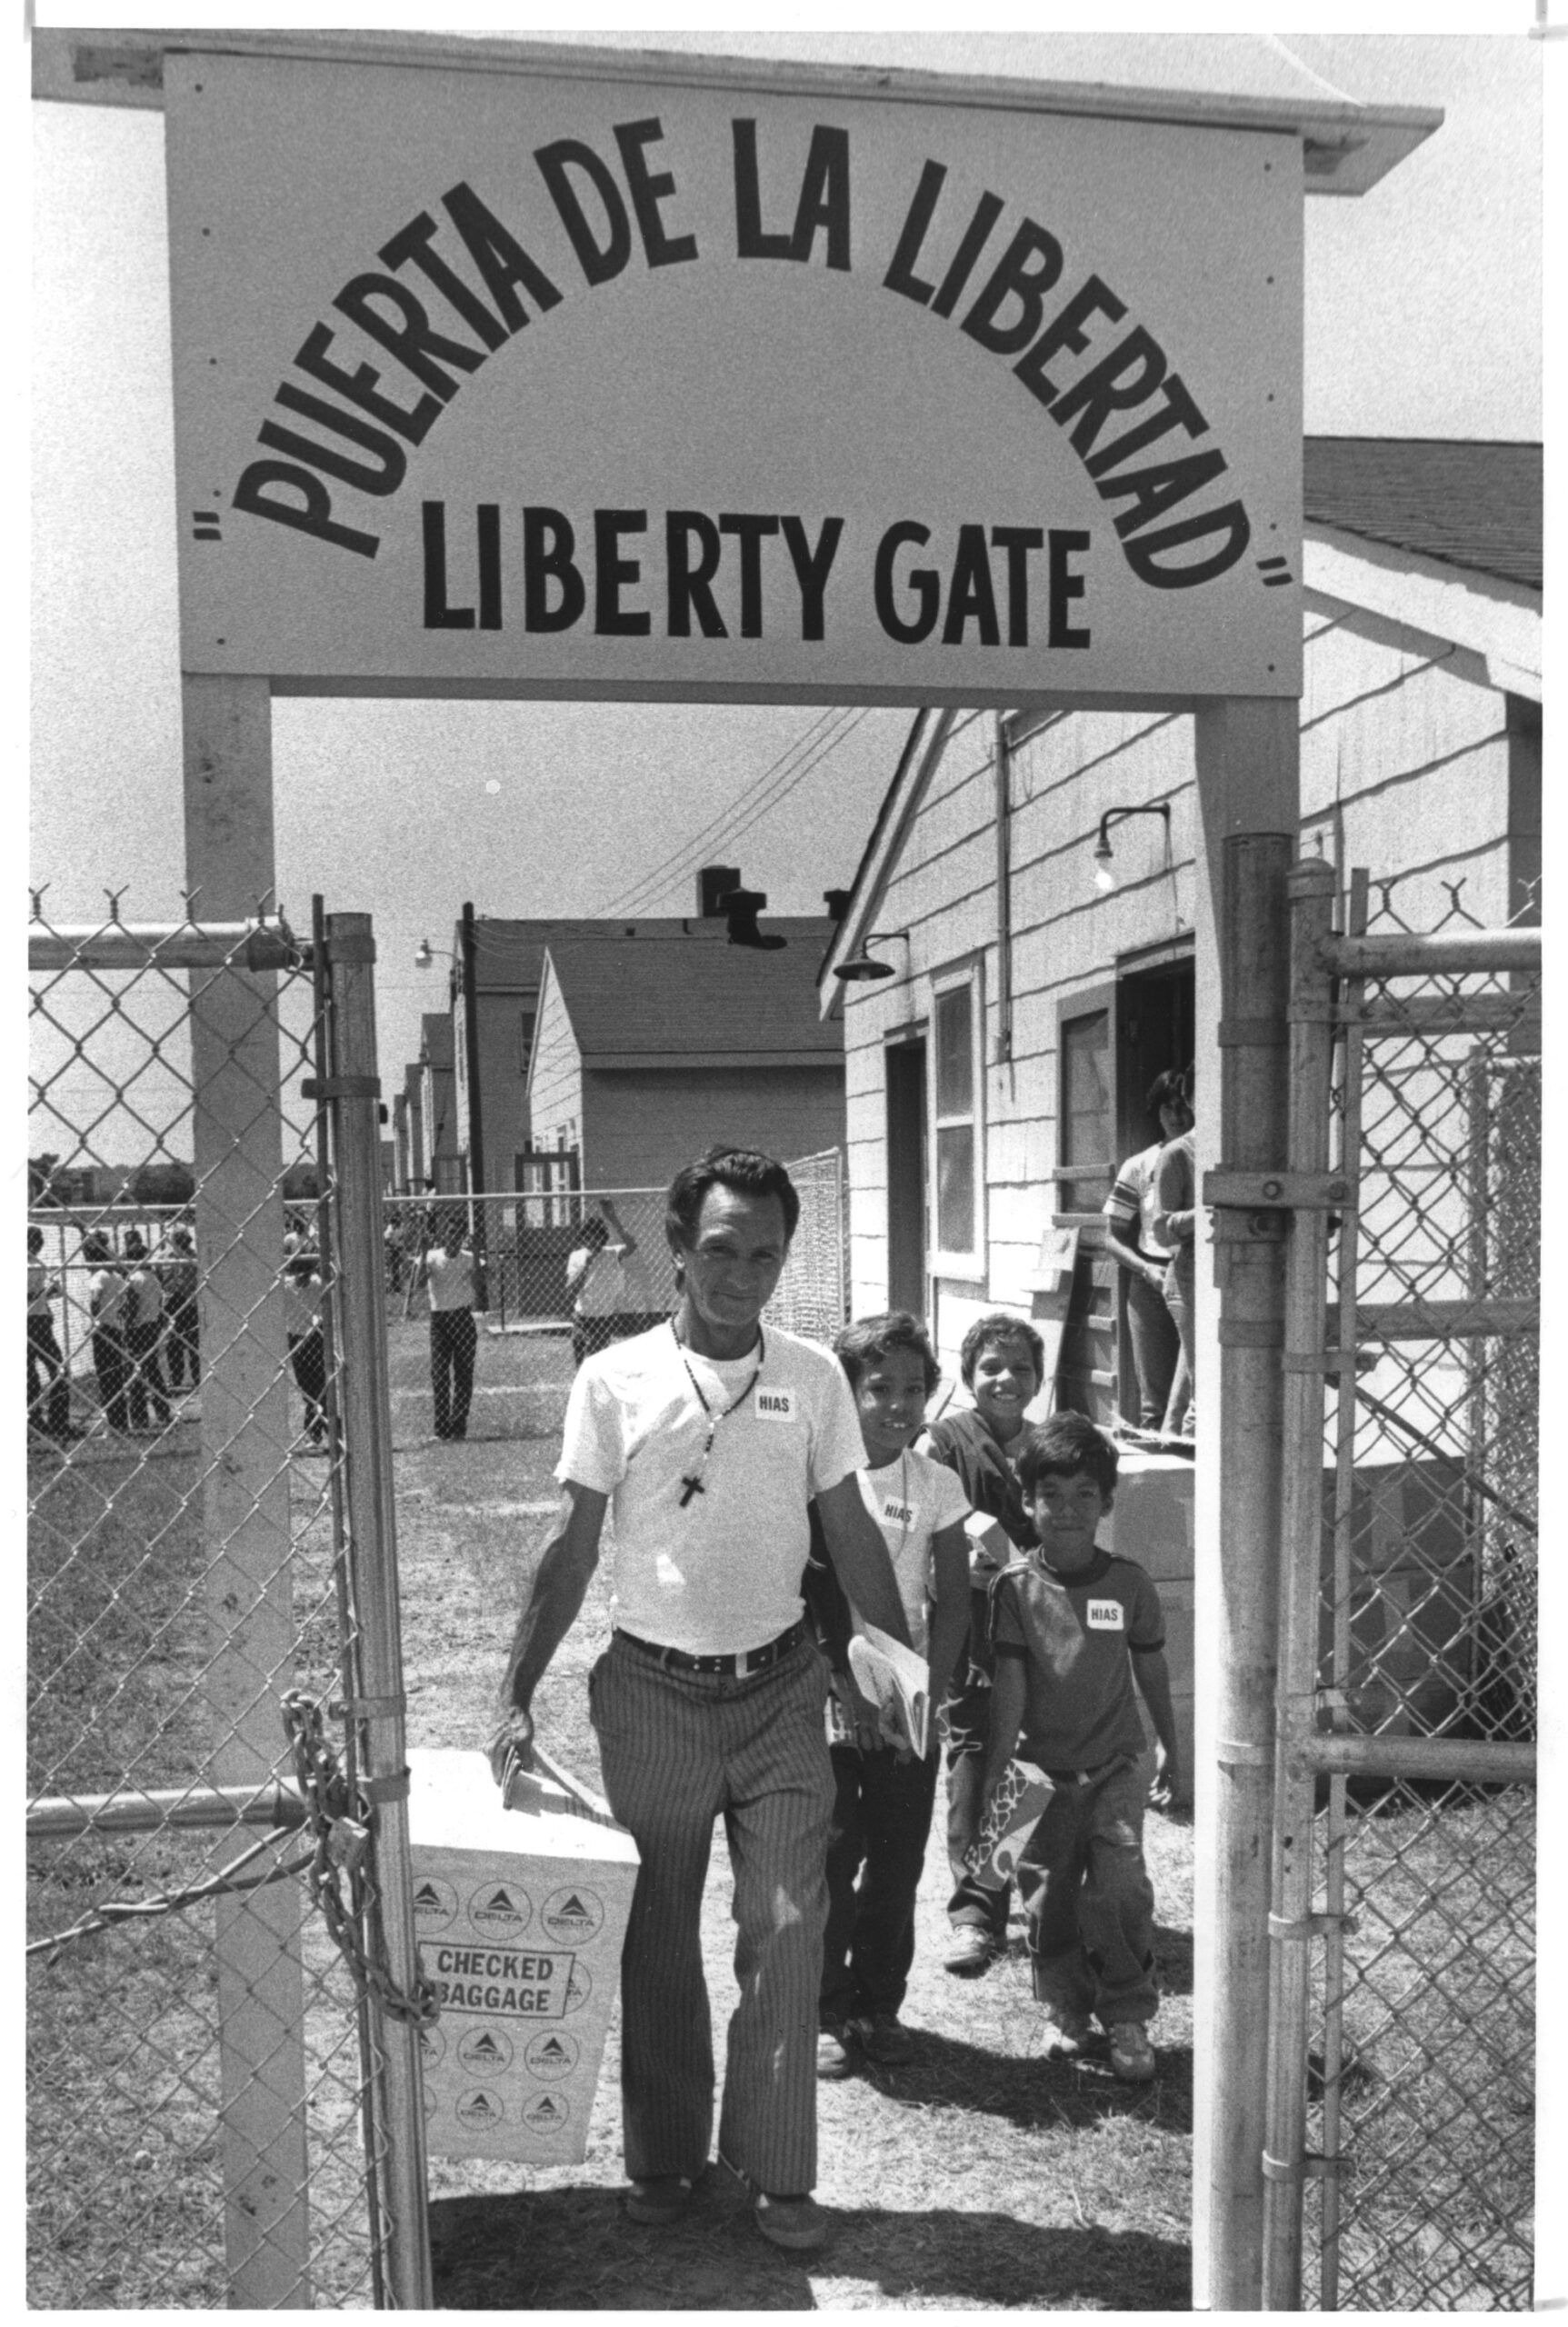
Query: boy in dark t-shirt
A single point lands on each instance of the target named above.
(1001, 1361)
(1074, 1626)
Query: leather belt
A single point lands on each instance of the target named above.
(744, 1661)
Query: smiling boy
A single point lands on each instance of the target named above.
(883, 1796)
(1074, 1626)
(1001, 1361)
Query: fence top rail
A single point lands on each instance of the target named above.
(1454, 951)
(183, 945)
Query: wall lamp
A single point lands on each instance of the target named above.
(861, 967)
(1104, 878)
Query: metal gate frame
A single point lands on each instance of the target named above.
(1314, 1740)
(358, 1811)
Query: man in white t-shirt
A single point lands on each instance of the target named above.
(448, 1270)
(708, 1436)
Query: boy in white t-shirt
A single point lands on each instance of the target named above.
(883, 1799)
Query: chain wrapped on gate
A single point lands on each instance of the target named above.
(341, 1847)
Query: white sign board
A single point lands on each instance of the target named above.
(494, 383)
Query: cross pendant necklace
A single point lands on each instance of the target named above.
(692, 1481)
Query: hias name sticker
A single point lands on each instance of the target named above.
(775, 1405)
(1104, 1615)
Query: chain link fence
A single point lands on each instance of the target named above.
(204, 2114)
(594, 1264)
(1403, 2145)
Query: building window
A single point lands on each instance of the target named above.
(524, 1040)
(1086, 1110)
(956, 1126)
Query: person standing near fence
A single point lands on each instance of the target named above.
(448, 1271)
(106, 1297)
(48, 1386)
(181, 1277)
(597, 1283)
(707, 1436)
(301, 1298)
(143, 1330)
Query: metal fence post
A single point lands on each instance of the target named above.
(1291, 1920)
(1241, 1104)
(237, 1130)
(367, 1422)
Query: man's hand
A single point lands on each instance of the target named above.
(511, 1746)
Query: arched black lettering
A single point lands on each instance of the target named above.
(824, 198)
(1128, 377)
(417, 346)
(1026, 270)
(310, 515)
(1156, 490)
(1065, 331)
(648, 191)
(499, 257)
(1141, 556)
(751, 242)
(601, 262)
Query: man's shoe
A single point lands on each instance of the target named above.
(656, 2199)
(1132, 2054)
(883, 2037)
(1064, 2035)
(832, 2059)
(973, 1952)
(799, 2224)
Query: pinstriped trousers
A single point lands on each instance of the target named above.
(677, 1750)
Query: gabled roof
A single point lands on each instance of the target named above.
(509, 955)
(1465, 504)
(635, 1003)
(435, 1046)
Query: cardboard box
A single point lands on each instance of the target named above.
(520, 1915)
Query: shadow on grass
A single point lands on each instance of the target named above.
(947, 2073)
(574, 2250)
(1174, 1954)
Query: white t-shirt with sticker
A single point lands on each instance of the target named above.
(721, 1571)
(912, 1500)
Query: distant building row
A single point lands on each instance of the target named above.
(609, 1052)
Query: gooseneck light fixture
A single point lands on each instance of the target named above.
(1104, 877)
(863, 966)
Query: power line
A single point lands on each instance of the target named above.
(764, 793)
(650, 883)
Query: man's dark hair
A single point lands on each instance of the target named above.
(35, 1240)
(859, 1345)
(1066, 1444)
(999, 1325)
(1167, 1090)
(595, 1230)
(744, 1170)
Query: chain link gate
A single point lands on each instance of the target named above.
(533, 1247)
(1399, 2173)
(222, 2087)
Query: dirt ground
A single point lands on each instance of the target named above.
(977, 2177)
